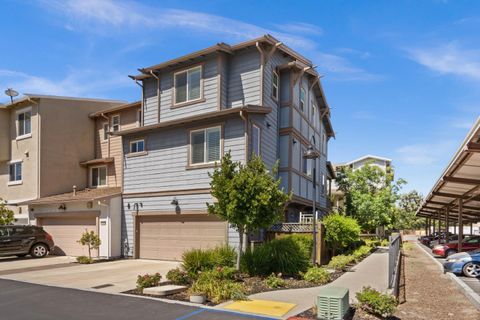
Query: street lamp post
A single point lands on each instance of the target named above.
(313, 154)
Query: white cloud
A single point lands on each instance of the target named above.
(425, 154)
(449, 58)
(82, 83)
(121, 17)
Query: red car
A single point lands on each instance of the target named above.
(446, 249)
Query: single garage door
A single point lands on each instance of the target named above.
(166, 237)
(67, 231)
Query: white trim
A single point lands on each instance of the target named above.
(204, 146)
(175, 103)
(15, 161)
(17, 123)
(368, 156)
(23, 110)
(136, 141)
(23, 137)
(304, 98)
(139, 117)
(112, 125)
(258, 138)
(91, 176)
(277, 86)
(14, 183)
(103, 131)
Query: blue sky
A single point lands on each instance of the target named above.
(402, 77)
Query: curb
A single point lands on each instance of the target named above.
(466, 290)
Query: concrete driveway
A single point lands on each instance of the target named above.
(113, 276)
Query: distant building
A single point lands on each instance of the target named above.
(337, 196)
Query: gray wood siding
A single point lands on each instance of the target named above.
(244, 79)
(150, 104)
(224, 72)
(164, 167)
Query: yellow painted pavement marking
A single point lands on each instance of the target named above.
(266, 307)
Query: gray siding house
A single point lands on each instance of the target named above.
(256, 97)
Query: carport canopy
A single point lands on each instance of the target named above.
(455, 197)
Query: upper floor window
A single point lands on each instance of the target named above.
(15, 175)
(98, 176)
(116, 123)
(188, 85)
(24, 122)
(105, 131)
(205, 145)
(314, 115)
(275, 83)
(302, 99)
(255, 140)
(306, 164)
(137, 146)
(324, 143)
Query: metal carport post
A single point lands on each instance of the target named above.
(460, 224)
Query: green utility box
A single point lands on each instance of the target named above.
(332, 303)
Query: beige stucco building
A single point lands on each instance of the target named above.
(42, 141)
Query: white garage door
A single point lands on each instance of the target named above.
(167, 237)
(66, 232)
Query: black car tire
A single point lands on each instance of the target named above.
(450, 252)
(39, 250)
(471, 270)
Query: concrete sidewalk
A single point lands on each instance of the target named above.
(372, 271)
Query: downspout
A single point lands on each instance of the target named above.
(142, 104)
(245, 120)
(39, 150)
(158, 93)
(109, 252)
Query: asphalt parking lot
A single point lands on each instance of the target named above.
(473, 283)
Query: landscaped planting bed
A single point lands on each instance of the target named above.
(280, 264)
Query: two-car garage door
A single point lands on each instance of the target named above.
(166, 237)
(66, 231)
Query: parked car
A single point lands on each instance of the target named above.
(467, 263)
(447, 249)
(23, 240)
(451, 239)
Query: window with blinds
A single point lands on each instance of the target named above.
(205, 145)
(188, 85)
(255, 140)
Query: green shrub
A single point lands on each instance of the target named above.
(178, 277)
(197, 260)
(340, 231)
(373, 242)
(218, 288)
(148, 280)
(376, 303)
(281, 255)
(273, 281)
(224, 256)
(304, 242)
(361, 252)
(84, 260)
(341, 262)
(317, 275)
(385, 243)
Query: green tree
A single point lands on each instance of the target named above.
(247, 196)
(91, 240)
(6, 215)
(405, 218)
(370, 195)
(340, 231)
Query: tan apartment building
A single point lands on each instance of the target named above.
(42, 140)
(95, 205)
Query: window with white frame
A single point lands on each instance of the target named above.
(188, 85)
(137, 146)
(24, 123)
(105, 131)
(306, 164)
(205, 145)
(302, 99)
(116, 123)
(314, 115)
(255, 139)
(98, 176)
(15, 174)
(275, 84)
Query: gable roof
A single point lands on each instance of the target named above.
(368, 156)
(29, 97)
(135, 104)
(224, 47)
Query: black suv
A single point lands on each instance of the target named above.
(22, 240)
